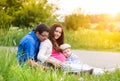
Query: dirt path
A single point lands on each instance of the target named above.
(99, 59)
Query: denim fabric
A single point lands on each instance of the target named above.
(28, 48)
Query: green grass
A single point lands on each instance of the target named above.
(93, 40)
(11, 71)
(12, 37)
(81, 39)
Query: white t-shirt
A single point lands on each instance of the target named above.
(45, 50)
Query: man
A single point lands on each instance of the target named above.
(29, 45)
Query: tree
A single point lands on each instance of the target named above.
(33, 13)
(7, 8)
(28, 13)
(75, 21)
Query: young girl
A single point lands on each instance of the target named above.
(75, 65)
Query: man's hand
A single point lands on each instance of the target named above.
(36, 65)
(32, 63)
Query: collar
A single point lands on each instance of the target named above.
(32, 33)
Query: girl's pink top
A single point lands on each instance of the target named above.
(58, 55)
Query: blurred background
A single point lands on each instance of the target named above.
(88, 24)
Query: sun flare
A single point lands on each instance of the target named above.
(111, 7)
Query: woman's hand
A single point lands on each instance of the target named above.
(58, 64)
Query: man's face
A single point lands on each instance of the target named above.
(43, 36)
(67, 52)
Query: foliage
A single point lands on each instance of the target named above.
(10, 6)
(100, 26)
(13, 37)
(93, 39)
(33, 12)
(5, 22)
(118, 17)
(7, 59)
(80, 39)
(104, 18)
(76, 21)
(7, 8)
(26, 13)
(11, 71)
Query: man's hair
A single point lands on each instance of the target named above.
(41, 28)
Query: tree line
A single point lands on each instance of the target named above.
(28, 13)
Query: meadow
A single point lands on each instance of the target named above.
(93, 40)
(81, 39)
(11, 71)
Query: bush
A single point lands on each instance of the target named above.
(76, 21)
(13, 37)
(33, 13)
(5, 22)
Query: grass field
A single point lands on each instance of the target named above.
(93, 40)
(81, 39)
(11, 71)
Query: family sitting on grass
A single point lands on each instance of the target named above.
(45, 47)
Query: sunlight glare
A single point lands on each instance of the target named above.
(111, 7)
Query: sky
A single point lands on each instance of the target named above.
(88, 6)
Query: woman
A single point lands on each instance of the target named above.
(57, 38)
(51, 53)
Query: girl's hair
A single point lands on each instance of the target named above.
(59, 41)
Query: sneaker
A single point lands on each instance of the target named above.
(98, 71)
(87, 71)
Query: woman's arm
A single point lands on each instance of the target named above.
(54, 61)
(45, 51)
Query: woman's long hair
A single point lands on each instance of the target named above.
(59, 41)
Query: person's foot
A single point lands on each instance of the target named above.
(98, 71)
(87, 71)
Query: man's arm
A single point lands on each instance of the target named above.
(35, 64)
(30, 52)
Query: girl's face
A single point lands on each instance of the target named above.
(67, 52)
(57, 32)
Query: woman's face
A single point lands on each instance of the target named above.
(57, 32)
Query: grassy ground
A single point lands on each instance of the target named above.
(11, 71)
(80, 39)
(93, 40)
(12, 37)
